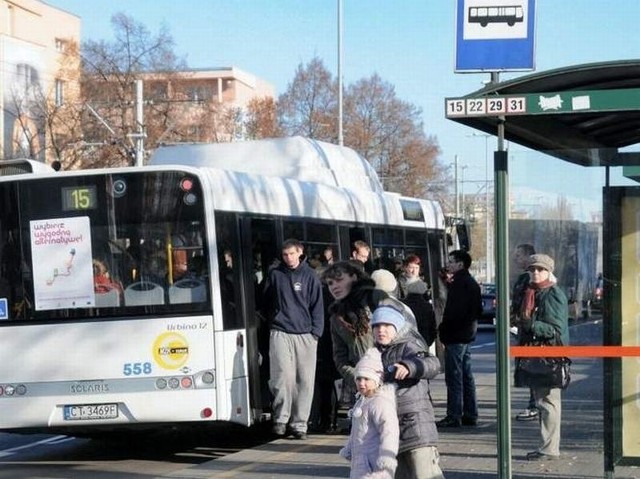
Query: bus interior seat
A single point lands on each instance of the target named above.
(143, 293)
(108, 299)
(187, 291)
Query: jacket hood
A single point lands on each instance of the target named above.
(407, 331)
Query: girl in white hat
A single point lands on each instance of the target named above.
(373, 442)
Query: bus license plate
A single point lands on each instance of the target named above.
(85, 412)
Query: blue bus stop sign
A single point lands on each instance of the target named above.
(495, 35)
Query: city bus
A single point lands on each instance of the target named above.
(131, 297)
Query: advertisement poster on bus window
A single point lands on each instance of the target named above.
(62, 263)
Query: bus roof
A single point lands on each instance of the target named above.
(23, 166)
(298, 176)
(296, 158)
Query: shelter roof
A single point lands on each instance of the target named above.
(587, 136)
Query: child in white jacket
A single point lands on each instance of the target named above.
(373, 443)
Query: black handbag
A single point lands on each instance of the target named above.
(542, 372)
(537, 372)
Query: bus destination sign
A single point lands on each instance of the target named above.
(587, 101)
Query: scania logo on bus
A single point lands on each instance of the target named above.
(170, 350)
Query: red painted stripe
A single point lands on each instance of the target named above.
(574, 351)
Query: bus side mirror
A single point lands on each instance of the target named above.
(464, 238)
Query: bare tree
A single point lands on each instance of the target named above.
(260, 119)
(390, 134)
(308, 106)
(560, 211)
(385, 130)
(109, 72)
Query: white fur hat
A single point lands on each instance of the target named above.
(370, 366)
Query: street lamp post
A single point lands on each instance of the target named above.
(340, 130)
(462, 168)
(489, 236)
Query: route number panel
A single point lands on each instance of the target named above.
(465, 107)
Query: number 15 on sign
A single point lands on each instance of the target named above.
(456, 107)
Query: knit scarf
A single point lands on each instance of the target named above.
(529, 301)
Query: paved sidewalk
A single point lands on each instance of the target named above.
(472, 452)
(466, 452)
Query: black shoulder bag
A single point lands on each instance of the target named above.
(543, 372)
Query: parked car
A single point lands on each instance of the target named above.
(488, 305)
(598, 292)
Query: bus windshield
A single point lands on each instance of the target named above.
(108, 245)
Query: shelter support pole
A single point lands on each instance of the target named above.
(503, 371)
(609, 365)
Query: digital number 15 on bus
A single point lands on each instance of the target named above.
(78, 198)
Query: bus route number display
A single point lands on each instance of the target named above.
(79, 198)
(491, 106)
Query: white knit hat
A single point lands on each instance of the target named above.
(370, 366)
(385, 280)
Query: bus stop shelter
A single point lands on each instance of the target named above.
(587, 115)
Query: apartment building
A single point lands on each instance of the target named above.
(228, 85)
(207, 96)
(46, 116)
(39, 74)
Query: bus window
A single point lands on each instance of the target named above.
(63, 237)
(416, 238)
(293, 229)
(229, 268)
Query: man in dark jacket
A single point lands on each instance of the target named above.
(407, 362)
(457, 330)
(296, 324)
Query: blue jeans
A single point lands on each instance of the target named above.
(461, 387)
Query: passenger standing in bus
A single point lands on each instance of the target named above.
(327, 256)
(361, 251)
(410, 274)
(407, 363)
(457, 330)
(296, 324)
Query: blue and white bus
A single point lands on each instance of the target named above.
(130, 297)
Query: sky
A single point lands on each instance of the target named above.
(409, 43)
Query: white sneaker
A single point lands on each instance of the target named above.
(528, 414)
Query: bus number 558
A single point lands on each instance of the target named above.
(136, 369)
